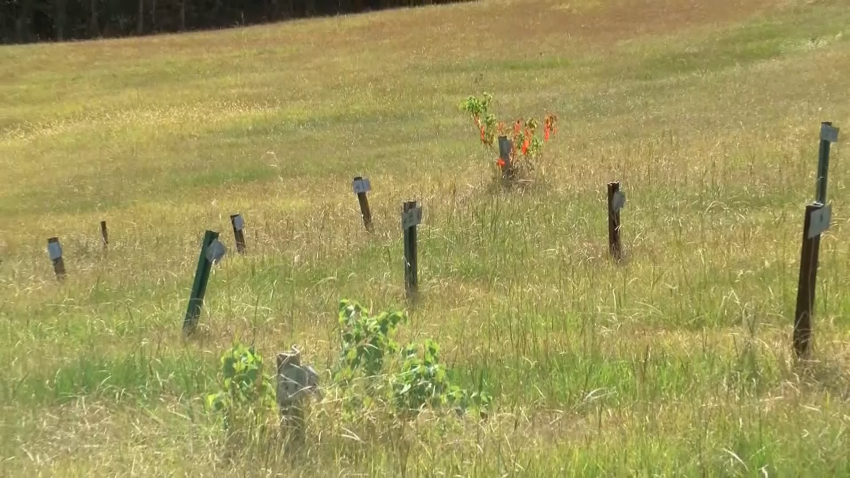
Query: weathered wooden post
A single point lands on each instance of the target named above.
(411, 217)
(105, 235)
(816, 222)
(505, 150)
(616, 202)
(238, 225)
(54, 249)
(212, 250)
(294, 383)
(361, 187)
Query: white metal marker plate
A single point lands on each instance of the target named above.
(238, 222)
(411, 218)
(215, 251)
(55, 250)
(618, 201)
(820, 221)
(829, 133)
(362, 186)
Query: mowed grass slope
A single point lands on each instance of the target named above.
(677, 362)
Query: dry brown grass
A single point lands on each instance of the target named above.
(676, 363)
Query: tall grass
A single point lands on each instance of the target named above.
(677, 362)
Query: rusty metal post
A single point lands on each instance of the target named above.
(54, 249)
(238, 226)
(105, 235)
(361, 187)
(818, 216)
(810, 250)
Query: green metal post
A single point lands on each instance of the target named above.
(823, 166)
(411, 262)
(199, 288)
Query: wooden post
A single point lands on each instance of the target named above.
(361, 187)
(291, 379)
(410, 218)
(54, 249)
(211, 250)
(505, 150)
(616, 201)
(294, 382)
(238, 225)
(105, 235)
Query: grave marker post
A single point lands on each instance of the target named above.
(410, 218)
(238, 224)
(616, 201)
(211, 251)
(815, 223)
(104, 234)
(54, 249)
(361, 187)
(505, 150)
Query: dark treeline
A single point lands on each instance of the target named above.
(27, 21)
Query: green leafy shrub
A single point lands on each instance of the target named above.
(422, 379)
(246, 394)
(526, 145)
(371, 371)
(366, 340)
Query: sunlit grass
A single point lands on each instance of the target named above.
(677, 362)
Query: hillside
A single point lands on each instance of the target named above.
(677, 361)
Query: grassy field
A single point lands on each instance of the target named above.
(676, 363)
